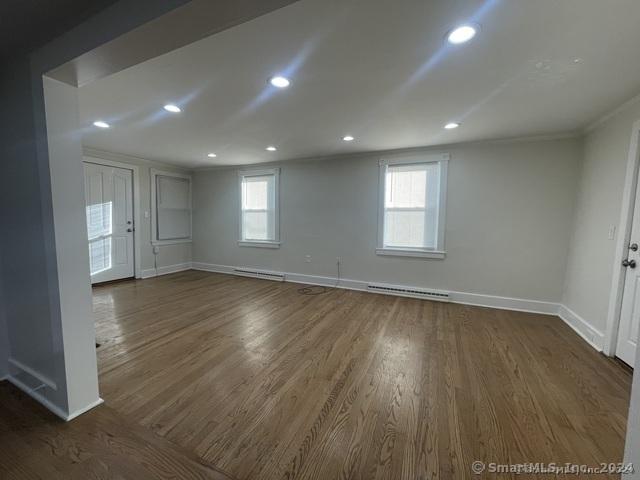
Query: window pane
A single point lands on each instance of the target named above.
(173, 214)
(173, 192)
(404, 229)
(406, 186)
(173, 224)
(411, 205)
(256, 225)
(258, 207)
(256, 193)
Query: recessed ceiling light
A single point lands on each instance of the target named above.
(348, 138)
(462, 34)
(172, 108)
(271, 148)
(280, 81)
(211, 155)
(101, 124)
(451, 125)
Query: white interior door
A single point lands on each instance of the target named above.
(109, 207)
(630, 313)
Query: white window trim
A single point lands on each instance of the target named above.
(275, 243)
(153, 173)
(437, 253)
(256, 243)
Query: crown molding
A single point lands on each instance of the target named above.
(612, 113)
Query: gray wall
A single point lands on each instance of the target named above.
(598, 205)
(509, 209)
(169, 254)
(25, 245)
(4, 340)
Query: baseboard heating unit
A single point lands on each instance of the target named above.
(427, 294)
(245, 272)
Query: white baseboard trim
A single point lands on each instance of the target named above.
(289, 277)
(505, 303)
(80, 411)
(34, 373)
(38, 398)
(45, 402)
(345, 283)
(156, 272)
(592, 336)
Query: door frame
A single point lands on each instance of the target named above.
(137, 263)
(624, 236)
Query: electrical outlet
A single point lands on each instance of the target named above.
(307, 258)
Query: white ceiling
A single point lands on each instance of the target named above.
(377, 69)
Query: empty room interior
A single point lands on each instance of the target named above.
(320, 239)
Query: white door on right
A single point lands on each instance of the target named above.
(630, 314)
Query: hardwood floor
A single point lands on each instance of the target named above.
(101, 444)
(252, 378)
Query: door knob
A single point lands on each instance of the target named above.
(629, 263)
(129, 229)
(633, 247)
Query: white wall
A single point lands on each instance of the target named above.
(509, 208)
(168, 255)
(598, 206)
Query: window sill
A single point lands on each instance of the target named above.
(171, 242)
(249, 243)
(401, 252)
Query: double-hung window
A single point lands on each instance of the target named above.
(259, 216)
(170, 207)
(412, 206)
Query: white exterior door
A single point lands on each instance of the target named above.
(630, 313)
(109, 208)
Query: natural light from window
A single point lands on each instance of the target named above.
(100, 230)
(410, 221)
(258, 194)
(412, 207)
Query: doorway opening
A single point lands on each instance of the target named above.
(52, 79)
